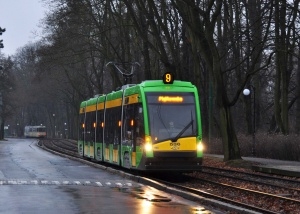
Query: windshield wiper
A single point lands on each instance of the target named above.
(182, 131)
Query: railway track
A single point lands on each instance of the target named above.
(252, 191)
(286, 186)
(211, 195)
(64, 146)
(245, 194)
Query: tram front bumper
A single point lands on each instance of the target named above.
(173, 164)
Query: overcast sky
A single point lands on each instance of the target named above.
(21, 19)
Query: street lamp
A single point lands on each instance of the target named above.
(17, 134)
(247, 92)
(54, 125)
(66, 129)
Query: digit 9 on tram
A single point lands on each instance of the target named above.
(151, 126)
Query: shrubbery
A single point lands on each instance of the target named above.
(274, 146)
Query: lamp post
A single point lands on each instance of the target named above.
(17, 134)
(54, 125)
(247, 92)
(65, 130)
(8, 131)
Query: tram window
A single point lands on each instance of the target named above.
(128, 129)
(129, 123)
(81, 119)
(108, 126)
(139, 129)
(90, 117)
(99, 129)
(164, 120)
(112, 129)
(133, 124)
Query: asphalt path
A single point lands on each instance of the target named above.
(33, 180)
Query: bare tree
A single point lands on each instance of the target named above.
(160, 27)
(202, 19)
(6, 88)
(284, 32)
(297, 126)
(222, 46)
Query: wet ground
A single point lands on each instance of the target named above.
(35, 181)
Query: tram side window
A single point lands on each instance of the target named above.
(99, 129)
(117, 125)
(93, 125)
(112, 129)
(89, 126)
(81, 130)
(107, 126)
(133, 123)
(139, 124)
(128, 124)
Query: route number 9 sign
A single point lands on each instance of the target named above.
(168, 78)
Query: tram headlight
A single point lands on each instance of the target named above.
(200, 147)
(148, 146)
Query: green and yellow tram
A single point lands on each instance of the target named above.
(151, 126)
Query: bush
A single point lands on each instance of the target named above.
(274, 146)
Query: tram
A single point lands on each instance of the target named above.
(151, 126)
(35, 131)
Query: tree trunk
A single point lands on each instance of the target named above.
(203, 30)
(1, 117)
(230, 142)
(282, 72)
(298, 94)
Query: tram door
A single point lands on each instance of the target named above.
(127, 133)
(132, 132)
(99, 134)
(92, 137)
(139, 133)
(81, 142)
(112, 132)
(89, 134)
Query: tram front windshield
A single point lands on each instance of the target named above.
(171, 116)
(41, 129)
